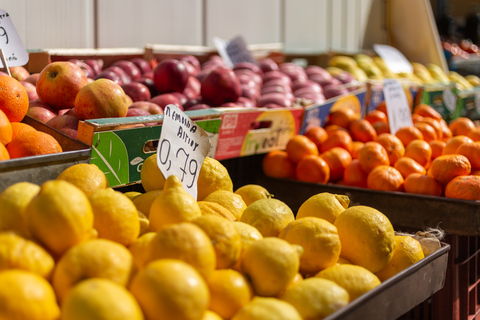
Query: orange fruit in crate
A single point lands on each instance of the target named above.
(19, 127)
(461, 126)
(354, 175)
(464, 187)
(382, 106)
(313, 169)
(33, 144)
(435, 124)
(339, 138)
(385, 178)
(5, 129)
(376, 116)
(474, 134)
(356, 146)
(446, 132)
(362, 130)
(381, 127)
(318, 135)
(425, 110)
(277, 164)
(4, 155)
(13, 98)
(437, 147)
(406, 166)
(372, 154)
(448, 166)
(337, 159)
(452, 145)
(416, 118)
(332, 128)
(420, 151)
(408, 134)
(342, 117)
(419, 183)
(300, 146)
(393, 146)
(472, 152)
(429, 133)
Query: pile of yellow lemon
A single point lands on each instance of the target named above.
(73, 248)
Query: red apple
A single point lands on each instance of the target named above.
(70, 111)
(198, 106)
(232, 105)
(299, 84)
(278, 88)
(31, 90)
(270, 75)
(66, 123)
(149, 84)
(123, 75)
(89, 72)
(39, 110)
(313, 69)
(170, 75)
(130, 68)
(258, 79)
(148, 74)
(344, 77)
(151, 107)
(32, 78)
(111, 75)
(192, 90)
(275, 98)
(95, 64)
(192, 102)
(142, 64)
(221, 85)
(203, 74)
(59, 82)
(182, 97)
(250, 92)
(333, 90)
(135, 112)
(248, 66)
(137, 91)
(268, 64)
(167, 98)
(307, 90)
(102, 98)
(246, 102)
(192, 60)
(19, 73)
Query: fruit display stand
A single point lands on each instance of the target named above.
(38, 169)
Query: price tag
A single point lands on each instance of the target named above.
(477, 102)
(233, 51)
(182, 148)
(393, 58)
(449, 99)
(399, 114)
(11, 44)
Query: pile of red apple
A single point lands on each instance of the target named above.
(138, 87)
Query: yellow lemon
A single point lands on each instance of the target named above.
(229, 292)
(316, 298)
(132, 194)
(173, 205)
(213, 208)
(144, 201)
(184, 241)
(233, 202)
(115, 216)
(343, 261)
(213, 176)
(59, 216)
(367, 237)
(269, 216)
(144, 223)
(100, 299)
(355, 279)
(210, 315)
(271, 264)
(85, 176)
(170, 289)
(225, 238)
(19, 253)
(150, 175)
(261, 308)
(324, 205)
(248, 234)
(25, 295)
(139, 248)
(99, 258)
(407, 252)
(13, 201)
(252, 192)
(319, 240)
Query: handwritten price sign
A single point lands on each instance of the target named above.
(399, 114)
(13, 50)
(182, 148)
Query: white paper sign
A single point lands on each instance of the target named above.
(399, 114)
(11, 44)
(393, 58)
(449, 99)
(182, 148)
(233, 51)
(477, 102)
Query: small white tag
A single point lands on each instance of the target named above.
(394, 59)
(233, 51)
(182, 148)
(477, 102)
(399, 114)
(449, 99)
(11, 44)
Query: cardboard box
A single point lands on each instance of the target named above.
(247, 132)
(433, 95)
(317, 114)
(375, 93)
(119, 148)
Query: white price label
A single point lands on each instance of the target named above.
(399, 114)
(11, 44)
(393, 58)
(233, 51)
(449, 99)
(477, 102)
(182, 148)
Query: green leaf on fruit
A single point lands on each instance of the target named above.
(109, 153)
